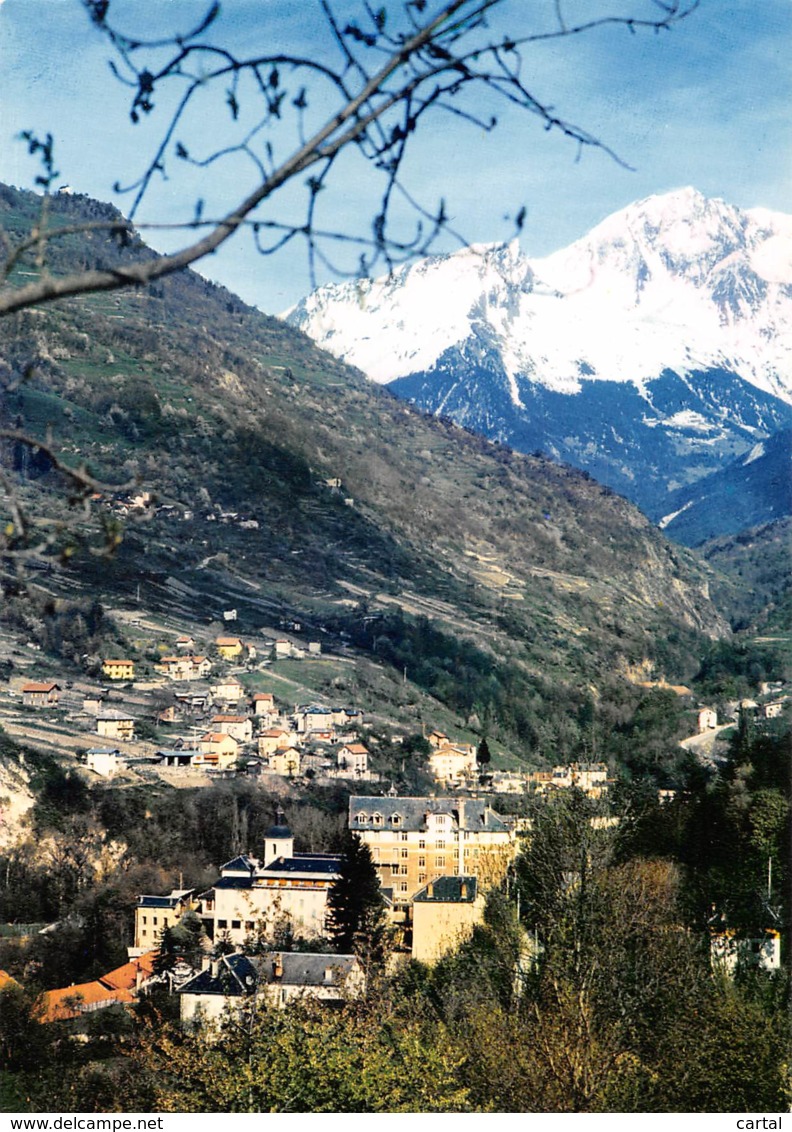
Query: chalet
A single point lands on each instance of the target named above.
(119, 669)
(40, 695)
(239, 727)
(276, 977)
(115, 725)
(185, 643)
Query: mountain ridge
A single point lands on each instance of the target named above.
(675, 287)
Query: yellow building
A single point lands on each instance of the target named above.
(119, 669)
(444, 913)
(115, 725)
(415, 840)
(155, 913)
(229, 647)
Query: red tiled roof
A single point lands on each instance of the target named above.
(67, 1002)
(40, 687)
(125, 977)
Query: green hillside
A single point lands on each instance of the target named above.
(502, 583)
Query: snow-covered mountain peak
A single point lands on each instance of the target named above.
(675, 281)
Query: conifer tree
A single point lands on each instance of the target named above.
(356, 905)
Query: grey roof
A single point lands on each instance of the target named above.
(157, 901)
(305, 863)
(469, 814)
(448, 890)
(239, 974)
(240, 864)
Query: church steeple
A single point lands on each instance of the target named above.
(278, 840)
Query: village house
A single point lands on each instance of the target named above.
(591, 778)
(239, 727)
(119, 669)
(352, 760)
(282, 649)
(115, 725)
(452, 765)
(227, 690)
(185, 643)
(273, 740)
(229, 648)
(103, 761)
(264, 704)
(774, 709)
(444, 913)
(155, 913)
(284, 887)
(313, 718)
(416, 840)
(706, 719)
(185, 667)
(40, 695)
(118, 987)
(285, 761)
(218, 749)
(276, 977)
(94, 703)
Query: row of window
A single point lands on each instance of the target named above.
(236, 925)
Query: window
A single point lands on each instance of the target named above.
(405, 853)
(403, 886)
(249, 925)
(422, 843)
(421, 878)
(440, 845)
(396, 819)
(144, 933)
(422, 862)
(222, 923)
(154, 921)
(362, 818)
(405, 837)
(440, 862)
(145, 919)
(403, 871)
(375, 853)
(376, 819)
(236, 925)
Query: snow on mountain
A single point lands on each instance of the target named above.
(650, 352)
(674, 282)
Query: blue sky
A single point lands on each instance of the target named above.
(706, 104)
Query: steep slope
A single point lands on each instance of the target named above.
(287, 483)
(648, 352)
(755, 488)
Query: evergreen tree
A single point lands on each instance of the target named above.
(483, 755)
(356, 905)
